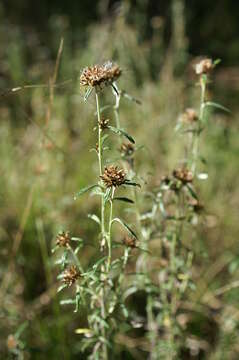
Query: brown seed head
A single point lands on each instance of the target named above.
(113, 177)
(112, 71)
(63, 239)
(100, 75)
(103, 123)
(204, 66)
(130, 242)
(70, 275)
(127, 150)
(189, 116)
(183, 175)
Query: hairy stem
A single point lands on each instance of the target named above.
(100, 159)
(109, 230)
(195, 146)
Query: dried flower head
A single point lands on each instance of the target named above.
(127, 150)
(100, 75)
(130, 241)
(189, 116)
(112, 71)
(70, 275)
(63, 239)
(12, 342)
(113, 176)
(103, 123)
(204, 66)
(183, 174)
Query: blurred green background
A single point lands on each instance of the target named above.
(46, 134)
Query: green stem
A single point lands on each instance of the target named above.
(116, 106)
(100, 159)
(195, 149)
(109, 230)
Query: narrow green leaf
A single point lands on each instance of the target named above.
(218, 106)
(94, 218)
(131, 183)
(121, 132)
(107, 195)
(216, 62)
(61, 288)
(87, 93)
(104, 137)
(67, 302)
(126, 226)
(192, 192)
(83, 331)
(84, 190)
(124, 199)
(131, 98)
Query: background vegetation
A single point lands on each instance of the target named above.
(45, 134)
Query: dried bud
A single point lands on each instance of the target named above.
(70, 275)
(100, 75)
(12, 342)
(126, 150)
(204, 66)
(103, 123)
(113, 177)
(183, 175)
(63, 239)
(130, 242)
(189, 116)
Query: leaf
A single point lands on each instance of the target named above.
(77, 239)
(87, 93)
(104, 137)
(131, 98)
(67, 302)
(94, 218)
(131, 183)
(107, 195)
(84, 190)
(126, 226)
(121, 132)
(192, 192)
(124, 199)
(83, 331)
(216, 62)
(124, 311)
(218, 106)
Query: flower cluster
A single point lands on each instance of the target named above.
(63, 239)
(204, 66)
(103, 123)
(183, 174)
(130, 242)
(126, 150)
(100, 75)
(70, 275)
(189, 116)
(113, 176)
